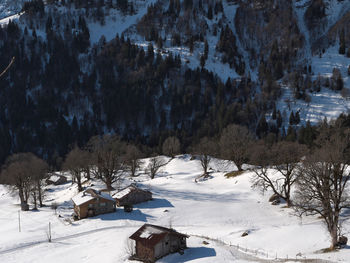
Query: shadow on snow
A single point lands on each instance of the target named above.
(155, 203)
(190, 254)
(135, 215)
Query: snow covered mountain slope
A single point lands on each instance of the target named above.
(10, 7)
(321, 53)
(217, 208)
(236, 61)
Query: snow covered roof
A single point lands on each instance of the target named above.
(149, 235)
(149, 231)
(106, 196)
(127, 190)
(90, 194)
(55, 178)
(123, 192)
(82, 198)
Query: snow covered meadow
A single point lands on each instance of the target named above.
(217, 210)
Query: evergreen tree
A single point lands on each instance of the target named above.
(342, 44)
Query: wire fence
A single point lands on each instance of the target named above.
(237, 250)
(260, 255)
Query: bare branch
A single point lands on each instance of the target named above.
(8, 67)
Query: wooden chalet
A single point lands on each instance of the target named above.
(131, 195)
(56, 179)
(153, 242)
(92, 202)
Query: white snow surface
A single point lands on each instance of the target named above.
(217, 208)
(10, 7)
(149, 231)
(327, 103)
(117, 23)
(6, 20)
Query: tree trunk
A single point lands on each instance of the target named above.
(24, 205)
(26, 195)
(80, 187)
(34, 197)
(205, 163)
(153, 173)
(108, 182)
(334, 236)
(40, 199)
(133, 168)
(88, 174)
(239, 167)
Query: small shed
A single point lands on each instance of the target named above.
(153, 242)
(56, 179)
(92, 202)
(131, 195)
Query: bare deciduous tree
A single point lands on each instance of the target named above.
(284, 157)
(77, 162)
(132, 158)
(38, 170)
(171, 146)
(8, 67)
(108, 156)
(25, 171)
(154, 165)
(261, 157)
(204, 150)
(234, 144)
(322, 183)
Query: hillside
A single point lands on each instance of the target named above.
(10, 7)
(217, 208)
(147, 69)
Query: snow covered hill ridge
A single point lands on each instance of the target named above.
(214, 212)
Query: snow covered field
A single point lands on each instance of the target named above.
(218, 208)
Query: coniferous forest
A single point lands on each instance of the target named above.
(63, 88)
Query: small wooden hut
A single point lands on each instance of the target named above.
(153, 242)
(56, 179)
(131, 195)
(92, 202)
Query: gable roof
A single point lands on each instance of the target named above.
(127, 190)
(150, 235)
(90, 194)
(54, 177)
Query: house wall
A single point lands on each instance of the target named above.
(83, 210)
(134, 197)
(162, 248)
(170, 244)
(144, 253)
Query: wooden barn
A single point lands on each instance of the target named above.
(92, 202)
(131, 195)
(153, 242)
(56, 179)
